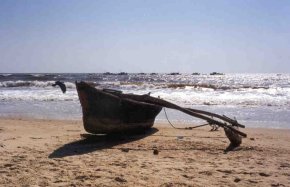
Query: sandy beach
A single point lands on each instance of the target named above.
(60, 153)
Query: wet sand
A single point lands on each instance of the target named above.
(61, 153)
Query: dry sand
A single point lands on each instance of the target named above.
(52, 153)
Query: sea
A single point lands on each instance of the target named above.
(255, 100)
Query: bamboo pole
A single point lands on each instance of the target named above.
(224, 118)
(191, 112)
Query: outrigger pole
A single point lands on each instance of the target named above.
(207, 116)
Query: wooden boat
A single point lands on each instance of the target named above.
(107, 111)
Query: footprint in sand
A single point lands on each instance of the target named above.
(253, 181)
(237, 179)
(120, 179)
(9, 139)
(36, 138)
(209, 173)
(284, 165)
(187, 176)
(277, 185)
(225, 171)
(8, 165)
(264, 174)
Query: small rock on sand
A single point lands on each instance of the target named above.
(155, 152)
(237, 179)
(285, 165)
(8, 165)
(119, 179)
(277, 185)
(264, 174)
(126, 150)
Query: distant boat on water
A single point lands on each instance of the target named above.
(122, 73)
(173, 73)
(108, 73)
(216, 73)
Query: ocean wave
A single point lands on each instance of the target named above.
(5, 75)
(41, 84)
(38, 95)
(185, 97)
(232, 89)
(37, 75)
(178, 86)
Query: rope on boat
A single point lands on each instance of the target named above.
(187, 128)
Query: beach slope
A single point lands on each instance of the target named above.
(61, 153)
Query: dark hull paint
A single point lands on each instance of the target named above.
(107, 113)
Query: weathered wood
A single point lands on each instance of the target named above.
(110, 111)
(224, 118)
(104, 112)
(235, 139)
(163, 103)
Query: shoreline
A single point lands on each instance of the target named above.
(53, 153)
(158, 123)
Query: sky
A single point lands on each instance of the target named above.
(92, 36)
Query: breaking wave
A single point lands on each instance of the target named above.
(41, 84)
(232, 89)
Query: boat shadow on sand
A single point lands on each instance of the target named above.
(90, 143)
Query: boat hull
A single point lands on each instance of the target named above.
(107, 113)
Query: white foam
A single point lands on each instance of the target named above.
(244, 97)
(230, 89)
(38, 95)
(42, 84)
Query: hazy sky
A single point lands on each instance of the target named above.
(145, 36)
